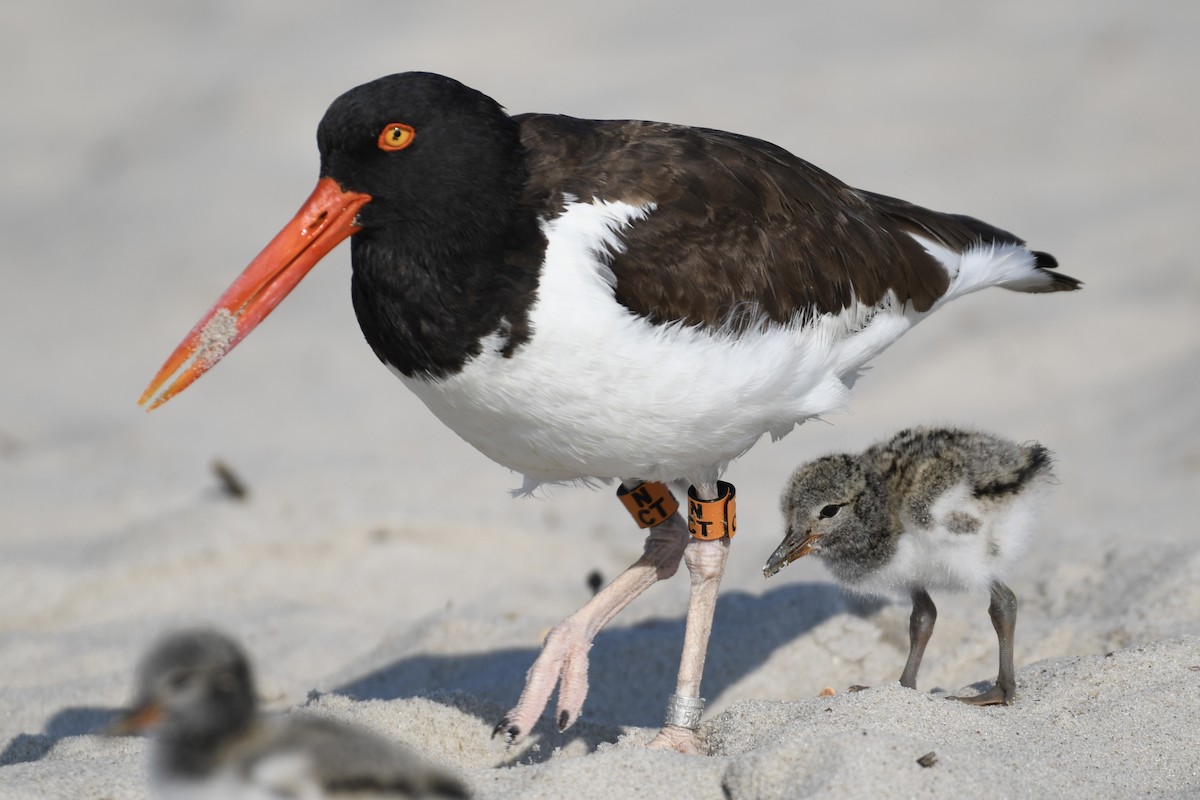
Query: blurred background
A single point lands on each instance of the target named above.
(148, 150)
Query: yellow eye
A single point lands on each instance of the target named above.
(396, 136)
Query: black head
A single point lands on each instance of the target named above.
(440, 160)
(427, 176)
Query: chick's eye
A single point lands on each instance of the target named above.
(178, 681)
(396, 136)
(830, 511)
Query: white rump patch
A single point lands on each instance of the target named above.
(1009, 265)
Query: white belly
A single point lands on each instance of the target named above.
(940, 557)
(598, 392)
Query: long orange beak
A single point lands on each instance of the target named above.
(325, 219)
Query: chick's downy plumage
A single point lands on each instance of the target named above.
(930, 508)
(195, 695)
(937, 508)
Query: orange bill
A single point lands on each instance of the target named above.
(325, 219)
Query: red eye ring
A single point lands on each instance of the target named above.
(396, 136)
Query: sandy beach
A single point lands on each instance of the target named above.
(377, 567)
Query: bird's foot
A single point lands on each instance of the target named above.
(995, 696)
(676, 739)
(563, 662)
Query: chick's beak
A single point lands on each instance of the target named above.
(793, 546)
(136, 720)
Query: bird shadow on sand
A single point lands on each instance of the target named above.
(72, 721)
(632, 669)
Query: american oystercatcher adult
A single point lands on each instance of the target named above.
(608, 300)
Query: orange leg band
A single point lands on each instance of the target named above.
(713, 519)
(650, 504)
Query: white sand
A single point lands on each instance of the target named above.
(149, 150)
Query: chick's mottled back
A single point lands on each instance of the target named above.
(936, 507)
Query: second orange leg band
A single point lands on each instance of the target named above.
(713, 519)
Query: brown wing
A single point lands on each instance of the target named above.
(739, 223)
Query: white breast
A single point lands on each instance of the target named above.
(601, 393)
(943, 557)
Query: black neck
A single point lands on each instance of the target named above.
(428, 290)
(426, 316)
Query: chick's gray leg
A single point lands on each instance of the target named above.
(920, 628)
(1003, 611)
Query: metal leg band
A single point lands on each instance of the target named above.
(684, 712)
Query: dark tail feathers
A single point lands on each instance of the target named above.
(959, 232)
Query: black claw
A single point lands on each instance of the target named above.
(564, 721)
(510, 731)
(595, 580)
(500, 726)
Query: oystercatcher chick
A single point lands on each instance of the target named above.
(931, 508)
(195, 694)
(590, 300)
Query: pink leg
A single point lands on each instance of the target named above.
(564, 657)
(706, 563)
